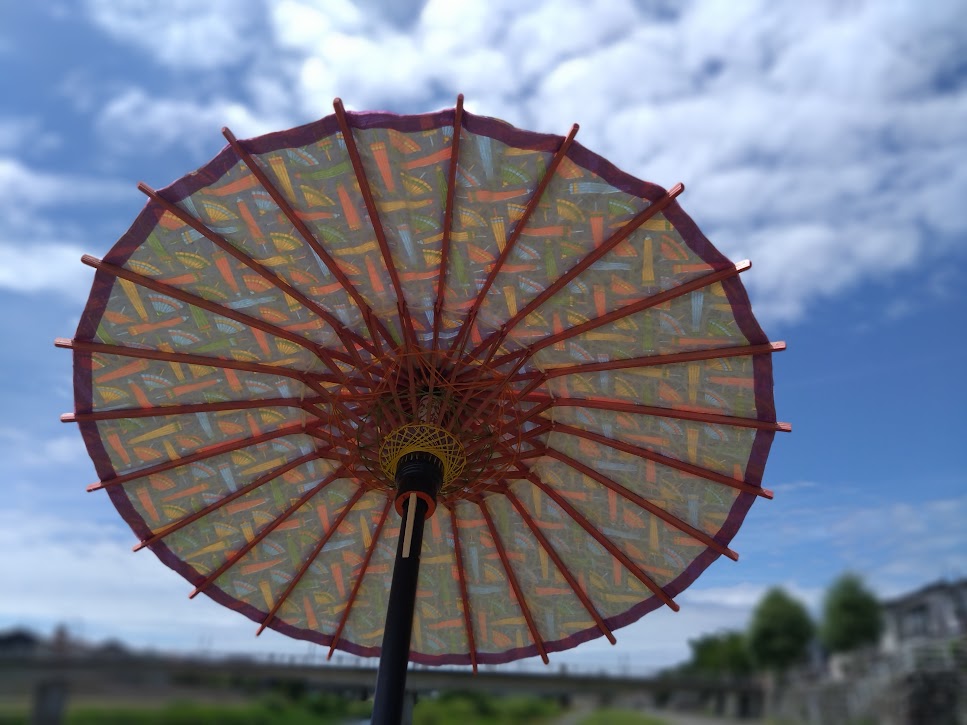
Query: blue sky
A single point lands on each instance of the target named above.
(824, 141)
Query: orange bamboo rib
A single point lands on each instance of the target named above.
(338, 403)
(374, 324)
(512, 239)
(601, 539)
(628, 310)
(494, 339)
(447, 224)
(561, 567)
(513, 581)
(201, 455)
(140, 280)
(406, 322)
(663, 460)
(311, 558)
(645, 504)
(636, 409)
(200, 302)
(257, 483)
(188, 409)
(675, 358)
(234, 558)
(345, 334)
(180, 357)
(359, 579)
(462, 580)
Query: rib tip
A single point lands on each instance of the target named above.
(612, 640)
(90, 260)
(677, 189)
(744, 265)
(227, 133)
(733, 555)
(194, 593)
(474, 666)
(94, 487)
(145, 189)
(673, 605)
(460, 99)
(331, 649)
(544, 657)
(784, 427)
(260, 630)
(67, 418)
(766, 493)
(63, 342)
(140, 545)
(779, 345)
(338, 104)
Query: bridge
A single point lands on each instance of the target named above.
(107, 675)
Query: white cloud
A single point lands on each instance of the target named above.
(21, 450)
(181, 33)
(39, 254)
(138, 122)
(821, 140)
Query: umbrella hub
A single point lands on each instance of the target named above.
(423, 438)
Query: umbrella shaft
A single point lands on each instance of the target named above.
(391, 678)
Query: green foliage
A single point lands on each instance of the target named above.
(273, 711)
(852, 616)
(725, 653)
(474, 708)
(619, 717)
(780, 631)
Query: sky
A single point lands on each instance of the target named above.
(825, 141)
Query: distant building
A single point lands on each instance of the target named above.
(937, 611)
(18, 643)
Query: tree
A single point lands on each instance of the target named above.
(780, 632)
(724, 653)
(852, 617)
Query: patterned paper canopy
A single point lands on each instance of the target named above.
(583, 357)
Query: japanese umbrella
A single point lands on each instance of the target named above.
(338, 351)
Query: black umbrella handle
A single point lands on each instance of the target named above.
(418, 480)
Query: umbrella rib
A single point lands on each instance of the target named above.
(645, 504)
(622, 312)
(713, 353)
(180, 357)
(213, 307)
(561, 567)
(513, 581)
(600, 538)
(290, 213)
(406, 322)
(201, 455)
(306, 379)
(496, 338)
(261, 270)
(512, 241)
(187, 409)
(359, 579)
(278, 521)
(237, 493)
(448, 223)
(462, 580)
(679, 414)
(689, 468)
(311, 558)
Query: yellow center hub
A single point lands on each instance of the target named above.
(425, 438)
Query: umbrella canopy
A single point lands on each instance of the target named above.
(279, 330)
